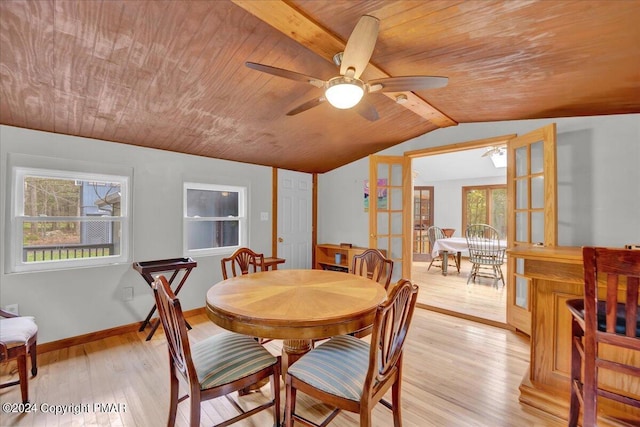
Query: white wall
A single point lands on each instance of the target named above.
(78, 301)
(447, 209)
(598, 179)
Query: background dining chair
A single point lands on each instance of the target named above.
(609, 317)
(373, 265)
(242, 261)
(353, 375)
(214, 367)
(434, 233)
(18, 339)
(485, 253)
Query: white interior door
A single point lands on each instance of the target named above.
(295, 196)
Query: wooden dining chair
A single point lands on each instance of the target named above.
(608, 314)
(485, 253)
(353, 375)
(242, 261)
(434, 233)
(373, 265)
(18, 339)
(213, 367)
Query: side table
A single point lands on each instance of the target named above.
(176, 265)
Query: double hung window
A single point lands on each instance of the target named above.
(215, 219)
(64, 219)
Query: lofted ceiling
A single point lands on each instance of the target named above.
(171, 74)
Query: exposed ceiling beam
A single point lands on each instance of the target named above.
(308, 33)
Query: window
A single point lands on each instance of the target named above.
(64, 219)
(215, 219)
(485, 204)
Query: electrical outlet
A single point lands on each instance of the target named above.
(11, 308)
(127, 294)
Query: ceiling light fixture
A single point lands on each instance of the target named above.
(344, 92)
(499, 158)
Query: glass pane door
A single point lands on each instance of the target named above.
(531, 189)
(386, 208)
(422, 219)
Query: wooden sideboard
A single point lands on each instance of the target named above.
(557, 275)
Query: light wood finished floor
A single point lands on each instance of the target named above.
(457, 373)
(481, 300)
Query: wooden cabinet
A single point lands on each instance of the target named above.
(326, 256)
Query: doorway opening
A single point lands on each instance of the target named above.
(465, 185)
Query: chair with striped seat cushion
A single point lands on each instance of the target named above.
(243, 261)
(353, 375)
(18, 339)
(373, 265)
(214, 367)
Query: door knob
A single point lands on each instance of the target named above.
(280, 240)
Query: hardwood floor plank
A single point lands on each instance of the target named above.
(456, 373)
(479, 300)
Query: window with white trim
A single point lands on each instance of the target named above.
(64, 219)
(215, 219)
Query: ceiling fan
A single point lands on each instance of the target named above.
(497, 150)
(347, 90)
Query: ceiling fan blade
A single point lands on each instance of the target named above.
(307, 106)
(367, 110)
(359, 48)
(287, 74)
(407, 83)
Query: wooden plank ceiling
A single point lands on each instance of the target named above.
(171, 74)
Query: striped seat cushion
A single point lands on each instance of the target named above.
(15, 331)
(338, 366)
(226, 357)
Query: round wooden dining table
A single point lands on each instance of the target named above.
(297, 306)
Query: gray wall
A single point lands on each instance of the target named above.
(598, 179)
(78, 301)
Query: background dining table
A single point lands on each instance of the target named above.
(458, 245)
(297, 306)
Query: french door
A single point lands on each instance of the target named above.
(532, 212)
(387, 228)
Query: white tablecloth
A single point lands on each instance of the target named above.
(455, 244)
(452, 244)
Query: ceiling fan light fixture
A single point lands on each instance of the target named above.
(344, 92)
(499, 158)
